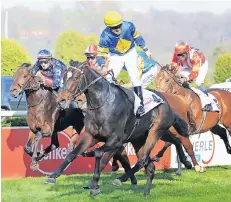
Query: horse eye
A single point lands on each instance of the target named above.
(25, 76)
(167, 80)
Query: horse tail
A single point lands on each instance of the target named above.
(180, 125)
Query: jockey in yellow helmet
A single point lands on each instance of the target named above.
(118, 40)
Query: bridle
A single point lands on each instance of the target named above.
(82, 78)
(170, 85)
(29, 89)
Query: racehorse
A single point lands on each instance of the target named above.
(110, 118)
(44, 117)
(187, 103)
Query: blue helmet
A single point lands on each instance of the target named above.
(44, 54)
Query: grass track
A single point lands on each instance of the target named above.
(212, 186)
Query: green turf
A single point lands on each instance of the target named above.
(212, 186)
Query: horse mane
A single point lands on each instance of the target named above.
(26, 65)
(73, 63)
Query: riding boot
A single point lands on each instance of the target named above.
(203, 89)
(207, 107)
(138, 91)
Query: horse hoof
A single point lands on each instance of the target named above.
(146, 192)
(88, 185)
(188, 165)
(95, 192)
(200, 169)
(134, 181)
(117, 182)
(229, 151)
(50, 181)
(34, 166)
(178, 173)
(115, 168)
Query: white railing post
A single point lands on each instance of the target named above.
(13, 113)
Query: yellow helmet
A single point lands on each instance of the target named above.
(112, 19)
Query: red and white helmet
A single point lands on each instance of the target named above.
(181, 47)
(91, 51)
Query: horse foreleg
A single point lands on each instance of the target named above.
(34, 165)
(73, 141)
(54, 145)
(189, 149)
(123, 159)
(115, 165)
(143, 150)
(101, 160)
(27, 147)
(181, 158)
(86, 142)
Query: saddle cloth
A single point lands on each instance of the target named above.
(211, 99)
(149, 102)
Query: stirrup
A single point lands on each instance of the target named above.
(140, 110)
(208, 107)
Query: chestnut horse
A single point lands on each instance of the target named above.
(185, 102)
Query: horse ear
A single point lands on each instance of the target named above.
(27, 66)
(30, 67)
(71, 63)
(74, 63)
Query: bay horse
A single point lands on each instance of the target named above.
(110, 118)
(44, 117)
(185, 102)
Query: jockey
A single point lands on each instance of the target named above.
(50, 69)
(118, 40)
(91, 54)
(191, 64)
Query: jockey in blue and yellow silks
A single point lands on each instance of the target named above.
(118, 40)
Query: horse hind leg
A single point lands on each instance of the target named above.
(221, 132)
(34, 165)
(123, 159)
(180, 130)
(181, 158)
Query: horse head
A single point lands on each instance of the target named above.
(167, 81)
(23, 79)
(74, 82)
